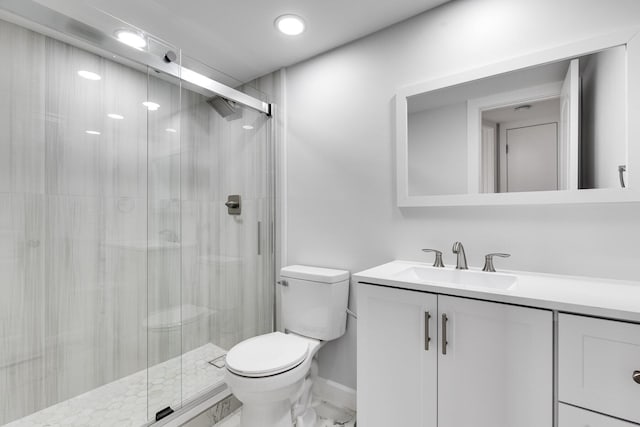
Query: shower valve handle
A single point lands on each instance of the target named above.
(233, 204)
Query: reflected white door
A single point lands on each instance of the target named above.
(489, 151)
(532, 158)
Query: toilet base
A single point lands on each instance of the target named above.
(274, 400)
(273, 414)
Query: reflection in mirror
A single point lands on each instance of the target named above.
(438, 150)
(557, 126)
(603, 124)
(520, 148)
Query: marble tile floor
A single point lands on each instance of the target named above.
(124, 402)
(328, 416)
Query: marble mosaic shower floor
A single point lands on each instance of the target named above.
(124, 402)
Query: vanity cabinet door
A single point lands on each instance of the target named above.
(397, 378)
(496, 369)
(570, 416)
(599, 365)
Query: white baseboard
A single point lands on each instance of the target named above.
(334, 393)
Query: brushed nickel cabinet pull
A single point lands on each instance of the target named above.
(444, 334)
(427, 316)
(636, 376)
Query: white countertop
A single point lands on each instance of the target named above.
(608, 298)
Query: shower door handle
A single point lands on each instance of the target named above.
(259, 237)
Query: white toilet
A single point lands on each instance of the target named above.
(271, 374)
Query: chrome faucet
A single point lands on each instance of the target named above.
(461, 263)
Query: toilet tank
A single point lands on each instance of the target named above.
(314, 301)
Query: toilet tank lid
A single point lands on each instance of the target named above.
(315, 274)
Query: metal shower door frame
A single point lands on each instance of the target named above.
(108, 46)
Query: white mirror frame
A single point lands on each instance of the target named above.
(628, 37)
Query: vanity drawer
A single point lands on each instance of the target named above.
(597, 362)
(570, 416)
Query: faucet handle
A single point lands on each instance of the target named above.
(438, 261)
(488, 261)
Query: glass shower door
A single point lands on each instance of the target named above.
(73, 219)
(164, 312)
(210, 273)
(227, 257)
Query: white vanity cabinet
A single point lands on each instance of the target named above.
(498, 366)
(487, 364)
(570, 416)
(397, 370)
(599, 368)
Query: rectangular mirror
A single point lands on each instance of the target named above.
(559, 126)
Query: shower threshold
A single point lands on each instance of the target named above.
(124, 402)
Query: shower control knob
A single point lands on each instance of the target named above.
(233, 204)
(636, 376)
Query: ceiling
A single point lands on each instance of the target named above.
(238, 37)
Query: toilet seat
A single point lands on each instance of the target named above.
(267, 355)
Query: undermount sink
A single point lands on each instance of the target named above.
(460, 278)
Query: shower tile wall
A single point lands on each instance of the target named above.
(116, 251)
(71, 303)
(95, 195)
(21, 201)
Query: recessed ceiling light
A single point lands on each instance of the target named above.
(171, 130)
(89, 75)
(290, 25)
(115, 116)
(92, 132)
(247, 127)
(131, 38)
(151, 106)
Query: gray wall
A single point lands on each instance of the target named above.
(340, 182)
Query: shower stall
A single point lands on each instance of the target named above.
(124, 276)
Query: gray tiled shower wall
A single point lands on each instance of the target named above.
(109, 243)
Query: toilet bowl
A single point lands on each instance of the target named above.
(267, 374)
(271, 374)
